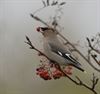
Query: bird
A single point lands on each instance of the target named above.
(56, 50)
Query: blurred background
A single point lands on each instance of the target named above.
(81, 19)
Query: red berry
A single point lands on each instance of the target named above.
(68, 71)
(69, 67)
(38, 29)
(43, 73)
(57, 74)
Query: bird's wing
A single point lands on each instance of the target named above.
(61, 52)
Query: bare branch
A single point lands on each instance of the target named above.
(44, 3)
(32, 47)
(54, 3)
(48, 3)
(92, 48)
(93, 56)
(38, 19)
(62, 3)
(94, 83)
(89, 51)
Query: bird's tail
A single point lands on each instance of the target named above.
(79, 68)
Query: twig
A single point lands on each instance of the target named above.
(95, 59)
(94, 83)
(32, 47)
(80, 83)
(89, 51)
(92, 48)
(38, 19)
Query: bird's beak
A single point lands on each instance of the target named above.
(41, 30)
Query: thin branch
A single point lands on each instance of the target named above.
(89, 51)
(32, 47)
(93, 56)
(48, 3)
(54, 3)
(92, 48)
(80, 82)
(38, 19)
(94, 83)
(44, 3)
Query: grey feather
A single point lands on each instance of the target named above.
(63, 53)
(61, 59)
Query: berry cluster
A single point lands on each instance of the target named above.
(43, 73)
(50, 71)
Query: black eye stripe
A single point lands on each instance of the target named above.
(44, 28)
